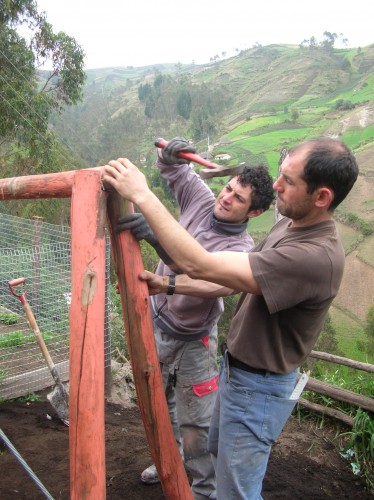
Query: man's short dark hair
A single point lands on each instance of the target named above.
(330, 163)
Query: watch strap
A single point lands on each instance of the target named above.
(171, 287)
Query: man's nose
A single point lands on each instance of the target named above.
(277, 186)
(228, 197)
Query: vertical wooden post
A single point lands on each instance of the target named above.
(144, 360)
(86, 407)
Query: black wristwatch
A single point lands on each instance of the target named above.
(171, 287)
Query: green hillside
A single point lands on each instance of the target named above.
(249, 106)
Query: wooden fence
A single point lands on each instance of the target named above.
(366, 403)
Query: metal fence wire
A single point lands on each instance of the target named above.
(41, 253)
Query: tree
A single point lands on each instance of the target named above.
(327, 341)
(144, 91)
(28, 95)
(294, 114)
(184, 103)
(328, 41)
(202, 124)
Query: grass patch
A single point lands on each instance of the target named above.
(263, 223)
(15, 339)
(31, 397)
(350, 335)
(349, 235)
(8, 318)
(356, 136)
(367, 250)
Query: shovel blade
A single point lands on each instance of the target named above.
(59, 399)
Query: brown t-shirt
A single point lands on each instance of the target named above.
(299, 271)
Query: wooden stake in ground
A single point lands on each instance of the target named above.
(144, 360)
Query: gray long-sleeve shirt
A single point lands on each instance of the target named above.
(181, 316)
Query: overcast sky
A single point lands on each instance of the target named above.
(146, 32)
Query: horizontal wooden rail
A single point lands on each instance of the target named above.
(55, 185)
(326, 410)
(337, 393)
(367, 367)
(340, 394)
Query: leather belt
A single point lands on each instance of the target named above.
(242, 366)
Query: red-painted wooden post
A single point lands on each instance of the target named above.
(145, 365)
(86, 408)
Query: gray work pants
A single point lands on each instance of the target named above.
(190, 377)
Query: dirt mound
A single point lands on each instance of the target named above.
(305, 462)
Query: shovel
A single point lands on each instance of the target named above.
(59, 397)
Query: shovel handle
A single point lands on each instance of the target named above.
(161, 143)
(31, 318)
(16, 282)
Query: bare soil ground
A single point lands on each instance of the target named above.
(305, 462)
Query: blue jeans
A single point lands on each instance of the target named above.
(249, 414)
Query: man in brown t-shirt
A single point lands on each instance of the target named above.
(288, 283)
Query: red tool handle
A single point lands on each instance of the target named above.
(32, 321)
(161, 143)
(16, 282)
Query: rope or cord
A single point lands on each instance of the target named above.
(25, 466)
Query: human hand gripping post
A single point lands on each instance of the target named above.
(131, 184)
(127, 180)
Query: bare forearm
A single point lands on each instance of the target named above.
(184, 285)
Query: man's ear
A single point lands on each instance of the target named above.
(254, 213)
(325, 197)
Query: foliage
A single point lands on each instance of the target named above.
(361, 443)
(363, 225)
(27, 101)
(8, 318)
(14, 339)
(31, 397)
(344, 104)
(369, 330)
(225, 320)
(327, 342)
(359, 448)
(184, 103)
(203, 124)
(326, 44)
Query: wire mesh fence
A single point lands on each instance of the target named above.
(41, 253)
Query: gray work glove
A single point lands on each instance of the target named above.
(169, 154)
(142, 231)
